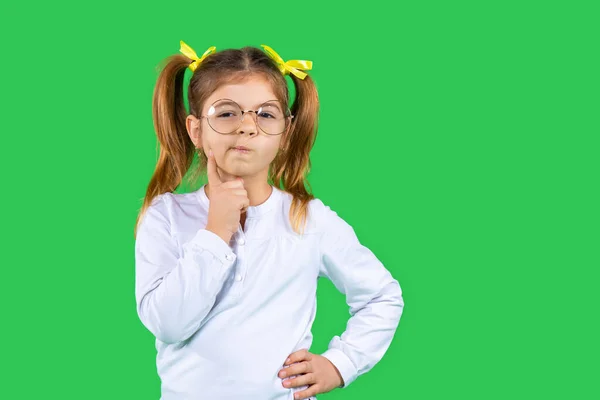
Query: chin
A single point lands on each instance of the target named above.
(242, 170)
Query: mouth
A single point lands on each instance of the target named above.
(241, 149)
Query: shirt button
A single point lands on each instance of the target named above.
(242, 242)
(229, 257)
(238, 278)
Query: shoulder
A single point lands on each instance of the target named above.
(181, 200)
(157, 213)
(320, 216)
(165, 205)
(330, 223)
(175, 206)
(319, 212)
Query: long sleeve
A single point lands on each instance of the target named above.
(373, 295)
(175, 290)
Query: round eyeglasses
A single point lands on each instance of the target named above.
(225, 116)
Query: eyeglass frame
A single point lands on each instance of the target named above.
(287, 111)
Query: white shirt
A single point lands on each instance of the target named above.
(226, 316)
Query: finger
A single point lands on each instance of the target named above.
(312, 390)
(244, 204)
(240, 192)
(298, 356)
(301, 380)
(211, 170)
(234, 184)
(296, 369)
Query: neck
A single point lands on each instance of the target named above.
(258, 190)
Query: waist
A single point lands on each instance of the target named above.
(225, 366)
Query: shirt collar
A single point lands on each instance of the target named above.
(252, 211)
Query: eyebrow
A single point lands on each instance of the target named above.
(229, 101)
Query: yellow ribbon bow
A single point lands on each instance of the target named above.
(187, 51)
(291, 66)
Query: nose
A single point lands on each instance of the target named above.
(249, 125)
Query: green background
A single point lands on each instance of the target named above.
(459, 139)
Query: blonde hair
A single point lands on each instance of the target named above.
(289, 168)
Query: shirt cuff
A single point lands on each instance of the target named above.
(205, 240)
(343, 364)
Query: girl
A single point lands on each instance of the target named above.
(226, 275)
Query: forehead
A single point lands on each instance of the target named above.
(248, 93)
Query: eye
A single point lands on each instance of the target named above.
(226, 114)
(266, 115)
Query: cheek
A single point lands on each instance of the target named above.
(271, 148)
(215, 141)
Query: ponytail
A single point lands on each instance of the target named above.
(290, 168)
(169, 114)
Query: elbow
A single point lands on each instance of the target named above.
(396, 297)
(387, 303)
(168, 336)
(397, 293)
(160, 323)
(391, 298)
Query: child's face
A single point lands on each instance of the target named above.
(263, 148)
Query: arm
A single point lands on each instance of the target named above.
(374, 297)
(174, 294)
